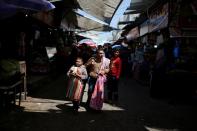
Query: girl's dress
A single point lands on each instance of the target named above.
(75, 84)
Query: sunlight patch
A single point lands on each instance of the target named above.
(57, 106)
(159, 129)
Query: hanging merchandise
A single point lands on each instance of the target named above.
(37, 34)
(158, 19)
(159, 39)
(176, 50)
(144, 28)
(144, 39)
(21, 50)
(183, 19)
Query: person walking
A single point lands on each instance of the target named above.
(113, 77)
(76, 74)
(99, 67)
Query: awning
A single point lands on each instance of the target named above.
(73, 21)
(98, 36)
(137, 7)
(87, 24)
(73, 17)
(101, 9)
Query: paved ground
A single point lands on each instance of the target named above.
(46, 110)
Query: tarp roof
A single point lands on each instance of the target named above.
(86, 24)
(101, 9)
(74, 22)
(136, 7)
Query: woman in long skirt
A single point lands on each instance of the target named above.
(99, 67)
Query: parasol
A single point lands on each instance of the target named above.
(117, 47)
(9, 8)
(88, 42)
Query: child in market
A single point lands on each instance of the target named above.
(114, 76)
(76, 74)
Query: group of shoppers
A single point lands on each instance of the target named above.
(98, 73)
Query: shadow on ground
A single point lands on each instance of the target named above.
(52, 87)
(49, 111)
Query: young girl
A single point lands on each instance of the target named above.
(113, 77)
(76, 74)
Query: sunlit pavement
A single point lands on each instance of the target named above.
(47, 110)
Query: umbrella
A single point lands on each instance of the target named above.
(9, 8)
(38, 5)
(117, 47)
(88, 42)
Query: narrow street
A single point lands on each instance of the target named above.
(47, 110)
(149, 46)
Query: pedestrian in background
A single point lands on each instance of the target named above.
(114, 76)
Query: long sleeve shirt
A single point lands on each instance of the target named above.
(81, 70)
(95, 66)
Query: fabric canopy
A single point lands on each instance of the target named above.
(101, 9)
(71, 18)
(136, 8)
(73, 22)
(87, 24)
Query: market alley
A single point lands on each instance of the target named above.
(47, 110)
